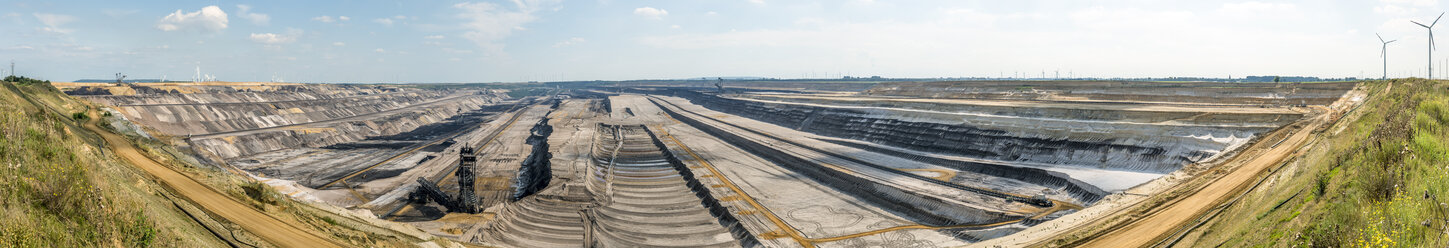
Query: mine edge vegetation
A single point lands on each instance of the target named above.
(1146, 224)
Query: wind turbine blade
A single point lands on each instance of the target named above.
(1381, 37)
(1392, 41)
(1420, 24)
(1436, 19)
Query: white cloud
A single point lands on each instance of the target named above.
(1254, 7)
(675, 26)
(1405, 7)
(1132, 19)
(1394, 10)
(1016, 41)
(389, 21)
(272, 39)
(757, 1)
(570, 42)
(344, 18)
(324, 19)
(1421, 3)
(53, 22)
(434, 37)
(711, 13)
(339, 43)
(651, 13)
(208, 19)
(383, 21)
(379, 50)
(809, 22)
(257, 18)
(487, 24)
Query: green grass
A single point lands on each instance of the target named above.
(1376, 184)
(58, 189)
(49, 191)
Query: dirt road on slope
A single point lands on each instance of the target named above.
(1148, 230)
(256, 222)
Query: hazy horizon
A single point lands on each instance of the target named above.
(546, 40)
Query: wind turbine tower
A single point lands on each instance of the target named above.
(1384, 53)
(1430, 27)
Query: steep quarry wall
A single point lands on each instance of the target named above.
(702, 190)
(927, 207)
(1084, 192)
(238, 144)
(1099, 111)
(1094, 144)
(238, 120)
(1185, 92)
(535, 172)
(223, 112)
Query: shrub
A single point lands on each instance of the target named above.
(260, 192)
(25, 81)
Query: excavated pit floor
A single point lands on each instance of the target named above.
(674, 171)
(314, 167)
(1140, 134)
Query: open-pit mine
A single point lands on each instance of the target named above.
(692, 164)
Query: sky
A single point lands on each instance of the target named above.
(559, 40)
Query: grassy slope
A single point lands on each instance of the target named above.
(57, 189)
(347, 230)
(1378, 180)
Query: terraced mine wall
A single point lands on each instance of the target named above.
(639, 199)
(535, 172)
(726, 218)
(640, 182)
(919, 208)
(1193, 92)
(248, 143)
(1127, 112)
(1092, 144)
(235, 121)
(731, 85)
(196, 114)
(1082, 191)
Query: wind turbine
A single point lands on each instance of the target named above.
(1430, 27)
(1384, 53)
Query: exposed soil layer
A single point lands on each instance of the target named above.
(249, 219)
(1113, 145)
(654, 165)
(1134, 91)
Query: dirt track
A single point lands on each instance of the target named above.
(273, 230)
(1148, 230)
